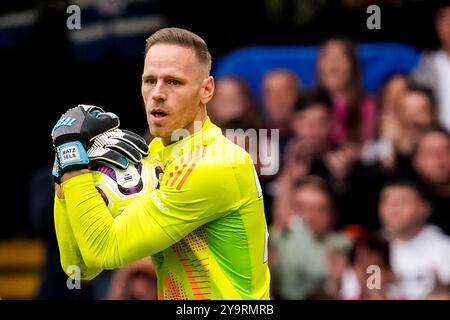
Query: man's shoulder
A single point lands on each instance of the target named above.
(429, 56)
(202, 165)
(425, 71)
(219, 162)
(214, 159)
(227, 152)
(443, 240)
(434, 238)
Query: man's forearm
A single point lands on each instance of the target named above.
(70, 254)
(105, 242)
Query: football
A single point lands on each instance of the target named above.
(119, 188)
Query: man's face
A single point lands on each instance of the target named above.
(334, 67)
(416, 110)
(175, 88)
(314, 207)
(432, 159)
(312, 127)
(392, 93)
(280, 92)
(401, 209)
(229, 101)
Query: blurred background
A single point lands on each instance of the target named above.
(361, 98)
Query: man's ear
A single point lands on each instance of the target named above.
(207, 90)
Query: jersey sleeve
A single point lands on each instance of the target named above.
(68, 248)
(151, 223)
(196, 196)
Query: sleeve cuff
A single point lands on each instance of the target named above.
(85, 178)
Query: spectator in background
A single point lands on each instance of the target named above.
(306, 150)
(431, 163)
(369, 251)
(338, 74)
(234, 102)
(391, 92)
(416, 111)
(300, 238)
(434, 67)
(280, 91)
(311, 126)
(382, 149)
(281, 88)
(354, 111)
(400, 130)
(420, 252)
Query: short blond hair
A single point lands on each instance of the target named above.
(184, 38)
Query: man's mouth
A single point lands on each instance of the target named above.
(158, 114)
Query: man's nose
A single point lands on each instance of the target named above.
(158, 93)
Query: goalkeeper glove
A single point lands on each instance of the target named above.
(75, 130)
(118, 148)
(115, 147)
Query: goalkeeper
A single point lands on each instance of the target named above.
(204, 226)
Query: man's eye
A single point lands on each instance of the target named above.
(150, 81)
(174, 82)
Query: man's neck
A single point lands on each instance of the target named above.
(410, 234)
(192, 128)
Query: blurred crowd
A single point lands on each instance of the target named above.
(360, 205)
(360, 208)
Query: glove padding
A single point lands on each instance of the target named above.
(75, 131)
(118, 148)
(83, 123)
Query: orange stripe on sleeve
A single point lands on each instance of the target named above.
(178, 174)
(191, 168)
(173, 175)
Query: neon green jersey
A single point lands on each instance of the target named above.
(204, 226)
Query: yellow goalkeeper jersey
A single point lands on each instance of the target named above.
(204, 225)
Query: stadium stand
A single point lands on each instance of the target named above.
(379, 60)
